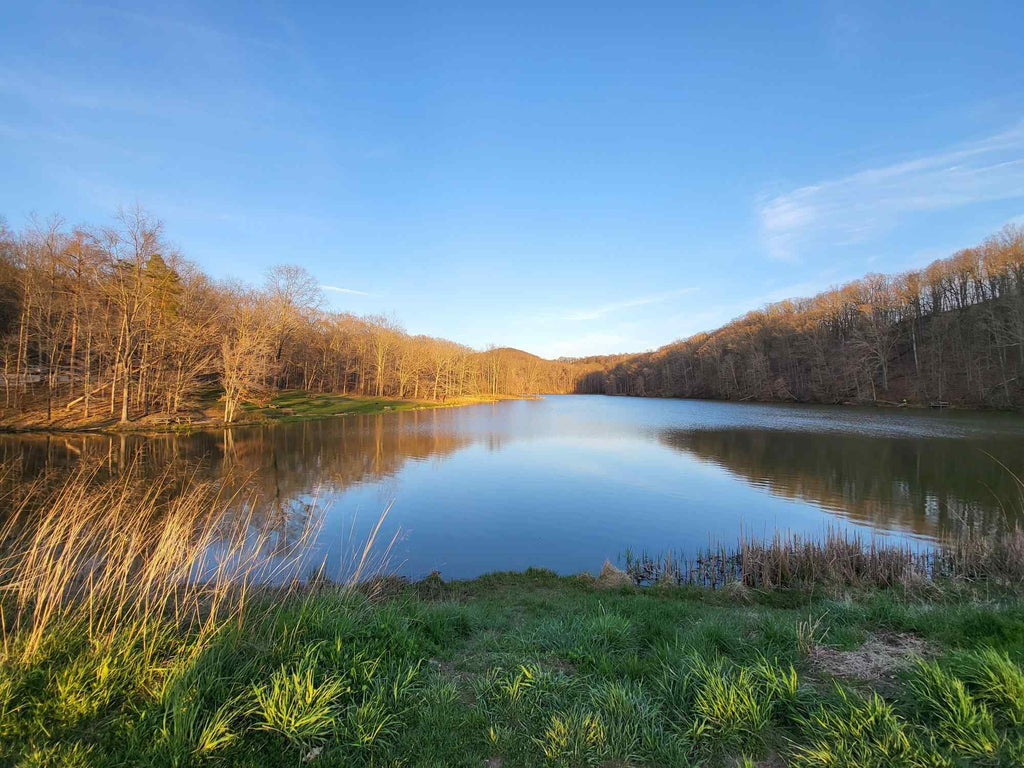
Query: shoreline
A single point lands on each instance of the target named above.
(283, 409)
(882, 405)
(274, 413)
(807, 653)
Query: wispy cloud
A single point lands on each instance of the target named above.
(595, 312)
(188, 26)
(48, 89)
(723, 310)
(338, 289)
(865, 204)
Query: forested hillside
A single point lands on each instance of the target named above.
(114, 321)
(952, 332)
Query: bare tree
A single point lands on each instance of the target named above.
(247, 351)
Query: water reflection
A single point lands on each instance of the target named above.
(568, 481)
(285, 479)
(286, 460)
(926, 486)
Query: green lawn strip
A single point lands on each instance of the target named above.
(531, 669)
(299, 405)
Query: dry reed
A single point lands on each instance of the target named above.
(120, 554)
(839, 559)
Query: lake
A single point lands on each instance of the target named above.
(567, 481)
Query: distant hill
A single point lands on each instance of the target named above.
(950, 333)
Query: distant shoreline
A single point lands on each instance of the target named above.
(294, 406)
(288, 407)
(912, 405)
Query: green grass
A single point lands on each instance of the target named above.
(862, 731)
(299, 405)
(531, 668)
(993, 679)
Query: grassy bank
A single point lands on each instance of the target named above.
(299, 406)
(111, 655)
(207, 412)
(533, 669)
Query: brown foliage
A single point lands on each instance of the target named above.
(113, 323)
(952, 332)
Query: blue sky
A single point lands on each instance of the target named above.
(568, 178)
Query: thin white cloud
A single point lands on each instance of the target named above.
(47, 90)
(197, 32)
(866, 204)
(595, 312)
(337, 289)
(722, 311)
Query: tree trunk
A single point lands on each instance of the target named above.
(125, 395)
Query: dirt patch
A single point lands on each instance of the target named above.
(567, 668)
(876, 660)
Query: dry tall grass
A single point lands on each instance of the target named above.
(845, 558)
(839, 559)
(117, 554)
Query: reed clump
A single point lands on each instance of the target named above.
(838, 559)
(183, 607)
(115, 555)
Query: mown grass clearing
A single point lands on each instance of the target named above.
(305, 405)
(299, 405)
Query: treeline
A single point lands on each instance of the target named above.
(952, 332)
(113, 321)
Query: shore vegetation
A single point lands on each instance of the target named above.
(144, 624)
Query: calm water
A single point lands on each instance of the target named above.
(568, 481)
